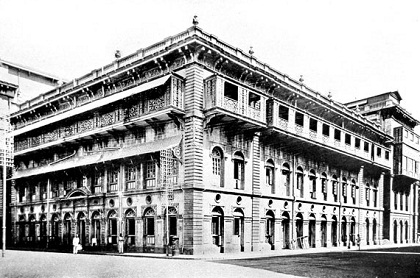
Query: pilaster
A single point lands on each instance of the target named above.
(193, 154)
(256, 190)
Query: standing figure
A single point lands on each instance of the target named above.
(120, 244)
(76, 242)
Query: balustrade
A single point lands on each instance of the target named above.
(169, 97)
(233, 98)
(308, 131)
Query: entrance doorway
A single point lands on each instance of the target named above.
(323, 231)
(81, 227)
(334, 227)
(238, 228)
(285, 227)
(217, 228)
(367, 231)
(312, 233)
(353, 231)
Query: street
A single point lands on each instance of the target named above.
(49, 264)
(392, 262)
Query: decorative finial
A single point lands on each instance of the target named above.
(357, 108)
(251, 51)
(195, 21)
(329, 95)
(117, 54)
(301, 79)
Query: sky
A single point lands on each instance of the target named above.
(353, 49)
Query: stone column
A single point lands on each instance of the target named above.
(278, 235)
(328, 233)
(318, 234)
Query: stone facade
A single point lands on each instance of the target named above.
(196, 144)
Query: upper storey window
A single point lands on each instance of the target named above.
(324, 185)
(357, 143)
(239, 170)
(313, 124)
(366, 147)
(347, 139)
(254, 100)
(286, 178)
(150, 173)
(325, 130)
(231, 91)
(335, 187)
(312, 178)
(299, 181)
(269, 174)
(299, 118)
(337, 134)
(217, 167)
(283, 112)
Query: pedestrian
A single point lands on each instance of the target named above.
(76, 242)
(358, 241)
(121, 244)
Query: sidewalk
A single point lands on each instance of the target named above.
(255, 255)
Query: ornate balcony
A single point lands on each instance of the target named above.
(223, 97)
(159, 104)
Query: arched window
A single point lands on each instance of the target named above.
(217, 226)
(54, 229)
(375, 194)
(324, 185)
(112, 227)
(239, 170)
(130, 227)
(95, 228)
(344, 190)
(367, 188)
(31, 228)
(401, 200)
(67, 229)
(285, 170)
(269, 174)
(312, 178)
(43, 229)
(299, 180)
(149, 227)
(172, 221)
(81, 227)
(269, 227)
(217, 167)
(335, 188)
(353, 191)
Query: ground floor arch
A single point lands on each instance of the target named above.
(285, 227)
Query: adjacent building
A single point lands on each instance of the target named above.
(17, 84)
(197, 144)
(401, 187)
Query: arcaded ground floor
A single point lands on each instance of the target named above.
(224, 223)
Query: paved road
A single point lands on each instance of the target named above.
(47, 264)
(396, 262)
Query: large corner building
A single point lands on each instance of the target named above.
(198, 144)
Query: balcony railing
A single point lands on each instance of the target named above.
(247, 103)
(317, 135)
(142, 106)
